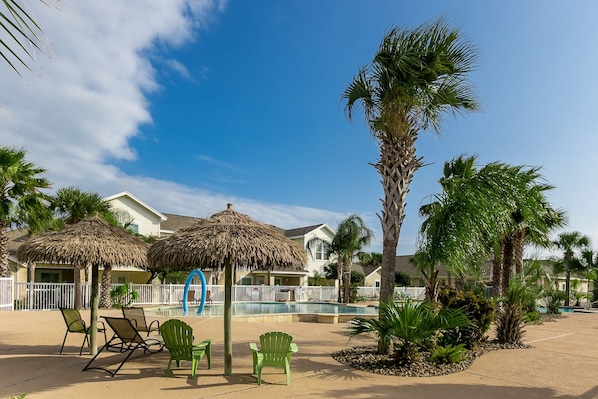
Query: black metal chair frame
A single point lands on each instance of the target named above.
(126, 339)
(70, 328)
(137, 313)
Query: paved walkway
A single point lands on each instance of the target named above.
(562, 364)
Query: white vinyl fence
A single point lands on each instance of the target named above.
(6, 293)
(373, 293)
(46, 296)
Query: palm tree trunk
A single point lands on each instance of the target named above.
(105, 301)
(518, 249)
(396, 167)
(431, 282)
(339, 277)
(567, 285)
(497, 273)
(507, 261)
(347, 283)
(77, 285)
(4, 271)
(567, 261)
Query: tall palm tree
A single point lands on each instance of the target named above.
(533, 219)
(415, 78)
(24, 35)
(352, 235)
(21, 200)
(370, 258)
(72, 205)
(590, 258)
(474, 215)
(569, 243)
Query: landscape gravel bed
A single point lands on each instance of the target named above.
(366, 358)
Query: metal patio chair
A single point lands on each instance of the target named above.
(75, 324)
(126, 338)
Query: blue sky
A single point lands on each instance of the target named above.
(192, 104)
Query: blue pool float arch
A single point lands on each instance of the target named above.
(202, 302)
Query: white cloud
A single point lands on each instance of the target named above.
(91, 99)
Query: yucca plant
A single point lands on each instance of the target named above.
(553, 299)
(409, 327)
(509, 315)
(509, 324)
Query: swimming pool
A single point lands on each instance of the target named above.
(562, 309)
(260, 308)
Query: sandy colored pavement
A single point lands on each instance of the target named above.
(562, 364)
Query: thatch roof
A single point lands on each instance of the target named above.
(91, 240)
(227, 234)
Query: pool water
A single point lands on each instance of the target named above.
(542, 309)
(255, 308)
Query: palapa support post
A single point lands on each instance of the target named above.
(228, 341)
(93, 334)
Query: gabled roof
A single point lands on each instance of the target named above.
(176, 222)
(301, 231)
(131, 196)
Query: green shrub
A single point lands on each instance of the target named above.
(532, 317)
(402, 279)
(478, 309)
(409, 327)
(123, 296)
(448, 353)
(553, 299)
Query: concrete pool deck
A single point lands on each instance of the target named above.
(562, 364)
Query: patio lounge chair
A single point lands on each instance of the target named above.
(190, 297)
(137, 317)
(178, 339)
(275, 351)
(75, 324)
(126, 339)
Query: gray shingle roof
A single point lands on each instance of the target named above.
(177, 222)
(301, 230)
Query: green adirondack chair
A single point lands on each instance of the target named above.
(275, 351)
(178, 339)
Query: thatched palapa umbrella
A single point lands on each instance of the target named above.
(90, 241)
(226, 240)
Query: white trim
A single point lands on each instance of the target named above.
(374, 271)
(128, 194)
(308, 232)
(284, 273)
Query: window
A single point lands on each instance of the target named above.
(121, 280)
(49, 277)
(320, 252)
(277, 281)
(259, 280)
(246, 281)
(377, 283)
(134, 228)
